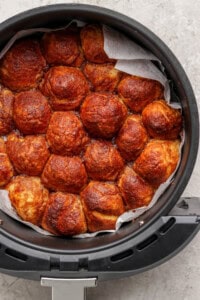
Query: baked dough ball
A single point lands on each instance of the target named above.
(65, 134)
(158, 161)
(135, 191)
(22, 66)
(2, 146)
(6, 111)
(64, 215)
(103, 77)
(103, 161)
(102, 205)
(64, 174)
(28, 197)
(6, 169)
(162, 121)
(92, 41)
(103, 114)
(65, 86)
(28, 154)
(137, 92)
(31, 112)
(132, 138)
(62, 47)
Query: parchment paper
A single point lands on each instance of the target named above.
(132, 59)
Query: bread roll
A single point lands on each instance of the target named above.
(92, 41)
(64, 215)
(6, 111)
(162, 121)
(132, 138)
(28, 197)
(103, 161)
(31, 112)
(66, 87)
(102, 205)
(135, 191)
(22, 66)
(6, 169)
(62, 47)
(65, 134)
(103, 114)
(28, 154)
(103, 77)
(64, 174)
(158, 161)
(137, 92)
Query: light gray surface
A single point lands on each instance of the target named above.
(177, 23)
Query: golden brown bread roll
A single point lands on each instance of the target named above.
(158, 161)
(103, 114)
(62, 47)
(2, 146)
(132, 138)
(22, 66)
(65, 86)
(64, 215)
(137, 92)
(6, 111)
(65, 134)
(102, 77)
(28, 154)
(102, 205)
(6, 169)
(31, 112)
(64, 174)
(92, 41)
(162, 121)
(103, 161)
(28, 197)
(135, 191)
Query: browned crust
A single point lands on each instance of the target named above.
(22, 66)
(31, 112)
(65, 174)
(102, 205)
(66, 87)
(103, 114)
(62, 47)
(92, 42)
(64, 215)
(132, 138)
(162, 121)
(137, 92)
(29, 198)
(158, 161)
(6, 169)
(28, 154)
(65, 134)
(103, 77)
(135, 190)
(103, 161)
(6, 111)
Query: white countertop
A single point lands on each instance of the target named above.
(177, 23)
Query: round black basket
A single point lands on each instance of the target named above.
(29, 254)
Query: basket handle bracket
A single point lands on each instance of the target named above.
(66, 288)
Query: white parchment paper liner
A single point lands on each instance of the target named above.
(131, 59)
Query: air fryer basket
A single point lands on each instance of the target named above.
(151, 239)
